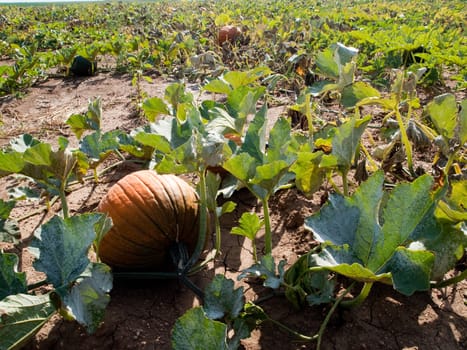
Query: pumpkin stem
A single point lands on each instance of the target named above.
(180, 258)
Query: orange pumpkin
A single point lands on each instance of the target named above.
(150, 212)
(228, 33)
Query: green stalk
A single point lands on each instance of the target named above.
(450, 281)
(359, 299)
(323, 326)
(64, 202)
(218, 234)
(345, 182)
(267, 228)
(203, 218)
(405, 142)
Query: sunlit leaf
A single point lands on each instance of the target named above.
(22, 317)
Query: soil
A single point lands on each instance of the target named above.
(141, 314)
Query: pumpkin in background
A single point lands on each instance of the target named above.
(228, 33)
(150, 212)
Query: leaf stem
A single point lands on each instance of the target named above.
(359, 299)
(267, 228)
(202, 220)
(323, 326)
(451, 280)
(405, 141)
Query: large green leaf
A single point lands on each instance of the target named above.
(443, 113)
(88, 297)
(222, 300)
(352, 94)
(11, 281)
(194, 331)
(368, 237)
(22, 315)
(61, 246)
(9, 230)
(308, 174)
(153, 107)
(345, 142)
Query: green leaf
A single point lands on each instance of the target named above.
(255, 138)
(242, 166)
(326, 64)
(222, 300)
(365, 234)
(194, 331)
(463, 122)
(267, 176)
(410, 270)
(453, 208)
(345, 142)
(153, 107)
(266, 269)
(279, 141)
(249, 225)
(97, 145)
(22, 315)
(11, 162)
(9, 229)
(61, 246)
(91, 120)
(89, 297)
(352, 94)
(39, 154)
(218, 86)
(11, 281)
(308, 174)
(443, 113)
(157, 142)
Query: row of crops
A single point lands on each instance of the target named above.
(356, 56)
(181, 39)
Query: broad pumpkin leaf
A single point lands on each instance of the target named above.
(308, 174)
(356, 92)
(368, 237)
(266, 269)
(89, 296)
(443, 113)
(453, 207)
(61, 246)
(345, 142)
(11, 281)
(91, 120)
(153, 107)
(9, 229)
(22, 316)
(255, 137)
(463, 122)
(222, 299)
(11, 162)
(97, 145)
(194, 330)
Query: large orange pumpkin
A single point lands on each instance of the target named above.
(150, 212)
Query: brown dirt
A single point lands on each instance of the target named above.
(142, 314)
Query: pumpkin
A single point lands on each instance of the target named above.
(150, 213)
(229, 34)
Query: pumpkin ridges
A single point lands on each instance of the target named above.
(190, 210)
(142, 233)
(151, 202)
(144, 207)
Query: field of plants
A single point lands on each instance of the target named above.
(233, 175)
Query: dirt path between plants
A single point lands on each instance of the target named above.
(141, 314)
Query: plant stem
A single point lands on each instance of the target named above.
(405, 142)
(322, 328)
(203, 218)
(64, 202)
(37, 284)
(218, 234)
(267, 228)
(358, 300)
(450, 281)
